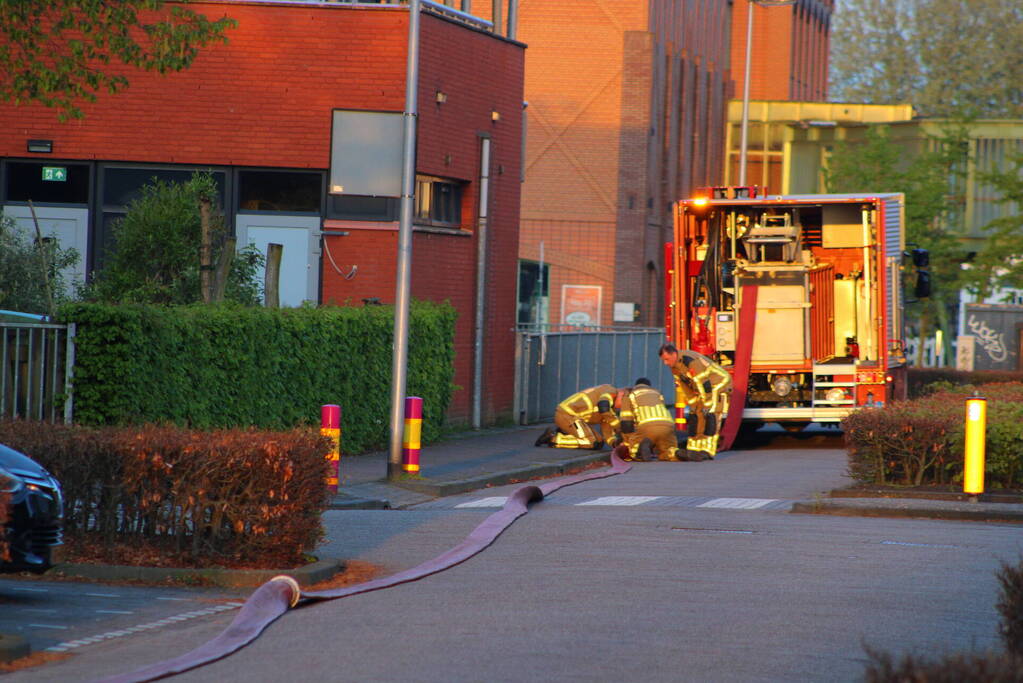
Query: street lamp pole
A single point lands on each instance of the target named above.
(744, 134)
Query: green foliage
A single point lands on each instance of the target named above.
(22, 283)
(925, 381)
(1000, 263)
(229, 366)
(156, 249)
(62, 52)
(946, 57)
(920, 441)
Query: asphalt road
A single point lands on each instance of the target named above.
(672, 572)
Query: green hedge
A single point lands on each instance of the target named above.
(225, 366)
(921, 380)
(920, 441)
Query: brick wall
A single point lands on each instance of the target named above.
(626, 103)
(265, 100)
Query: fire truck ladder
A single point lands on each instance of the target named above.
(743, 360)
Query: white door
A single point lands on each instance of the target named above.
(299, 235)
(69, 226)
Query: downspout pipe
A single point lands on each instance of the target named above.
(481, 277)
(404, 265)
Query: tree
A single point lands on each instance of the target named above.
(32, 270)
(947, 57)
(933, 210)
(60, 52)
(1000, 263)
(158, 249)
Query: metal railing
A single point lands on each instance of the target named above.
(35, 371)
(554, 362)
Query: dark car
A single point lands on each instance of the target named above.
(36, 512)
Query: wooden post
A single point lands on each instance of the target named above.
(272, 279)
(205, 251)
(47, 287)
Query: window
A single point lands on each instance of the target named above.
(284, 191)
(534, 285)
(438, 202)
(49, 182)
(354, 207)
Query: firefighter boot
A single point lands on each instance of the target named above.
(546, 437)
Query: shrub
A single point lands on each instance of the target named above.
(207, 498)
(920, 441)
(1010, 607)
(22, 285)
(228, 366)
(923, 381)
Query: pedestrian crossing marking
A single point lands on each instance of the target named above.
(491, 502)
(620, 500)
(737, 503)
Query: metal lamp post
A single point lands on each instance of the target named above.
(744, 135)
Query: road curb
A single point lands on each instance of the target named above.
(441, 489)
(13, 647)
(316, 572)
(906, 509)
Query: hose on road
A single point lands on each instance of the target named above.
(277, 596)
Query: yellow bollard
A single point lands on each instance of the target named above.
(330, 427)
(976, 430)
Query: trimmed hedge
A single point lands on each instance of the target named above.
(920, 441)
(921, 380)
(193, 498)
(226, 366)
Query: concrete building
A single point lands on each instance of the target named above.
(269, 113)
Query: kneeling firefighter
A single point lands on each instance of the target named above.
(576, 417)
(705, 387)
(646, 422)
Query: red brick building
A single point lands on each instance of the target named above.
(260, 112)
(627, 113)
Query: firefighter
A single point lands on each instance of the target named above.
(705, 387)
(646, 424)
(576, 417)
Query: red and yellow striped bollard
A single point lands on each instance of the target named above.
(330, 427)
(413, 433)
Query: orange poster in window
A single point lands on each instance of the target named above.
(580, 304)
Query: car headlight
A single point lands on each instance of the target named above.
(9, 483)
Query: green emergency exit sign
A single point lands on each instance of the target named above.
(55, 173)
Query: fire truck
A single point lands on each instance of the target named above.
(798, 296)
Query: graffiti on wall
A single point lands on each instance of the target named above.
(989, 339)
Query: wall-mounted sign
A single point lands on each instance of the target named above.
(580, 304)
(55, 173)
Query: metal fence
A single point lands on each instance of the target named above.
(35, 374)
(552, 365)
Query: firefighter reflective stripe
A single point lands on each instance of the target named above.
(568, 405)
(658, 413)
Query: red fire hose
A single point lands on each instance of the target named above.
(277, 596)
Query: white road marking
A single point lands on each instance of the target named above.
(63, 628)
(175, 599)
(30, 590)
(492, 502)
(737, 503)
(103, 595)
(620, 500)
(921, 545)
(72, 644)
(113, 611)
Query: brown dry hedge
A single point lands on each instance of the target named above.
(229, 497)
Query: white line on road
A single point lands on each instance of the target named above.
(103, 595)
(63, 628)
(175, 599)
(72, 644)
(113, 611)
(30, 590)
(737, 503)
(491, 502)
(620, 500)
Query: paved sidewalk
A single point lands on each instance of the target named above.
(464, 462)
